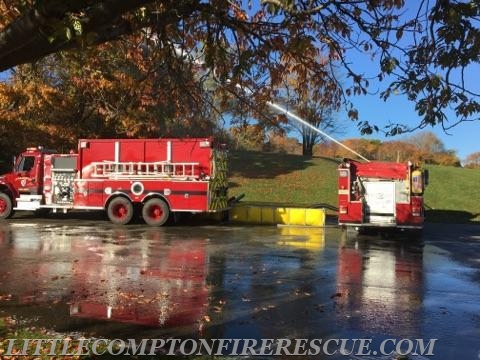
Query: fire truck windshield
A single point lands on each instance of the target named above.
(25, 163)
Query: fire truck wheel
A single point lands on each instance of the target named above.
(155, 212)
(6, 208)
(120, 211)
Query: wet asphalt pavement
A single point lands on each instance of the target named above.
(87, 276)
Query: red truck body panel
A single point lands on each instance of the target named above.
(187, 175)
(381, 170)
(380, 194)
(185, 190)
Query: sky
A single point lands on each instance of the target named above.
(464, 138)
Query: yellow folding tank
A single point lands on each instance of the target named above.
(277, 215)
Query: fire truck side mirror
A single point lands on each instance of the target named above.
(425, 177)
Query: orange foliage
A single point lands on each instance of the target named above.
(473, 160)
(429, 152)
(366, 148)
(10, 11)
(115, 90)
(248, 137)
(278, 142)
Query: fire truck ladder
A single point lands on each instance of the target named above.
(119, 170)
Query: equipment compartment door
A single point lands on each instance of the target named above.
(380, 197)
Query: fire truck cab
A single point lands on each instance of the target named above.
(124, 177)
(381, 194)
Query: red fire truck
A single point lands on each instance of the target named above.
(381, 194)
(124, 177)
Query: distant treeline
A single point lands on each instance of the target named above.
(424, 147)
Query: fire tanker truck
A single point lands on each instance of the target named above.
(381, 194)
(124, 177)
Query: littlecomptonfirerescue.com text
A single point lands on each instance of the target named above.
(218, 347)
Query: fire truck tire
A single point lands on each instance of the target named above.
(120, 211)
(6, 207)
(155, 212)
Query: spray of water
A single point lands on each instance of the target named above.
(299, 119)
(306, 123)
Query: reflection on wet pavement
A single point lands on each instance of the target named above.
(107, 275)
(236, 282)
(381, 290)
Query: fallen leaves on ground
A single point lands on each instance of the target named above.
(11, 328)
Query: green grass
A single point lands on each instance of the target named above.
(283, 178)
(13, 329)
(453, 194)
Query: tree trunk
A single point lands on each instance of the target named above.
(307, 149)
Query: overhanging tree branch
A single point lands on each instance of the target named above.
(32, 36)
(423, 53)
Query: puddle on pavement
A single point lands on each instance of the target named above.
(233, 282)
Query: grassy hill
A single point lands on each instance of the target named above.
(453, 194)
